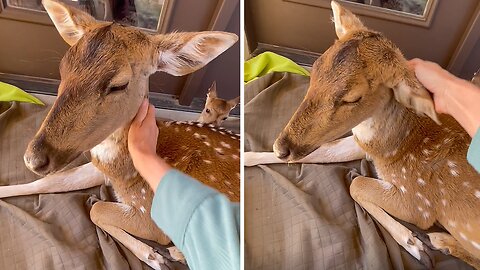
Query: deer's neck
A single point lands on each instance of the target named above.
(112, 157)
(384, 133)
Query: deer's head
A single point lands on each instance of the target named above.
(104, 78)
(360, 74)
(216, 109)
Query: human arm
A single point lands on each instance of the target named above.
(201, 222)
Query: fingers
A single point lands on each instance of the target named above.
(142, 112)
(151, 113)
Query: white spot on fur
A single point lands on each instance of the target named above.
(404, 170)
(199, 124)
(212, 178)
(463, 236)
(419, 195)
(475, 244)
(421, 182)
(219, 150)
(196, 135)
(427, 202)
(412, 157)
(134, 197)
(440, 181)
(235, 156)
(454, 172)
(427, 152)
(229, 192)
(364, 131)
(466, 184)
(221, 132)
(228, 183)
(188, 129)
(143, 209)
(143, 197)
(211, 126)
(207, 143)
(451, 164)
(444, 202)
(452, 223)
(403, 189)
(426, 215)
(226, 145)
(143, 191)
(477, 193)
(133, 202)
(426, 140)
(420, 208)
(207, 161)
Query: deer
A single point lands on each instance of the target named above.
(216, 110)
(363, 83)
(104, 80)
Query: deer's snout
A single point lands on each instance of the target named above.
(281, 148)
(36, 157)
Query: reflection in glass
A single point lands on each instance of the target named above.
(140, 13)
(416, 7)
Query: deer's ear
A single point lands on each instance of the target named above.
(345, 21)
(70, 22)
(412, 94)
(183, 53)
(233, 102)
(212, 91)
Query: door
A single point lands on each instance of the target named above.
(446, 32)
(31, 47)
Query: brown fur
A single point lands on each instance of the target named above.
(104, 80)
(362, 81)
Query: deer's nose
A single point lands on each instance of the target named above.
(37, 162)
(36, 157)
(281, 148)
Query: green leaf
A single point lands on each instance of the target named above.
(9, 93)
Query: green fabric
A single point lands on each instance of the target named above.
(9, 93)
(268, 62)
(201, 222)
(473, 155)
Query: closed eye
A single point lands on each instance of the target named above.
(352, 101)
(118, 88)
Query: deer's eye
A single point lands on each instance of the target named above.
(224, 118)
(207, 110)
(118, 88)
(356, 100)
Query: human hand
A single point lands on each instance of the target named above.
(436, 80)
(143, 133)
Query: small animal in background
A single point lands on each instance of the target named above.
(216, 109)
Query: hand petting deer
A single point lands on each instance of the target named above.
(104, 79)
(216, 110)
(362, 83)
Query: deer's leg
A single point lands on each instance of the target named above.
(449, 245)
(341, 150)
(120, 219)
(375, 196)
(82, 177)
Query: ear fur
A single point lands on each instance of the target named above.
(212, 91)
(71, 23)
(233, 102)
(183, 53)
(345, 21)
(412, 94)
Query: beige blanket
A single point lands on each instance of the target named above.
(302, 216)
(51, 231)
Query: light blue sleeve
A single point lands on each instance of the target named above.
(201, 222)
(473, 155)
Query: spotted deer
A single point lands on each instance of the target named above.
(362, 83)
(216, 110)
(104, 80)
